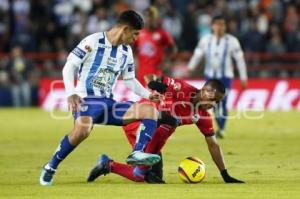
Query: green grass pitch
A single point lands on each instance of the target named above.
(265, 153)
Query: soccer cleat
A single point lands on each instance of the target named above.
(153, 178)
(102, 168)
(220, 134)
(141, 158)
(47, 174)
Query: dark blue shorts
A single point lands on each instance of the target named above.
(103, 110)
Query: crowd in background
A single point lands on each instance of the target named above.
(270, 26)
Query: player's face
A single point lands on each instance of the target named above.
(219, 27)
(209, 98)
(152, 20)
(129, 35)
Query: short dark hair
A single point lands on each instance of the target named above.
(132, 19)
(217, 17)
(216, 84)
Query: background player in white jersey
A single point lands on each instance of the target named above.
(99, 59)
(218, 49)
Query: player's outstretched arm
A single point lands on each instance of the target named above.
(134, 85)
(68, 77)
(217, 156)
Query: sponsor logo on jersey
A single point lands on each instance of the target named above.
(84, 108)
(195, 118)
(112, 61)
(156, 36)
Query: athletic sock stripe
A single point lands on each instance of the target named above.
(181, 171)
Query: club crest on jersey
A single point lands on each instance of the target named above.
(177, 86)
(88, 48)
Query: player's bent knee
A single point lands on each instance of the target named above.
(82, 129)
(168, 120)
(148, 111)
(83, 132)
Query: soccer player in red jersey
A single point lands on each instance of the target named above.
(183, 105)
(152, 46)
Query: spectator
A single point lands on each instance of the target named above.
(291, 28)
(275, 45)
(19, 69)
(172, 23)
(253, 40)
(4, 76)
(98, 22)
(22, 29)
(189, 35)
(204, 21)
(78, 20)
(4, 29)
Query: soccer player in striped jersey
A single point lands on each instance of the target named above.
(218, 49)
(183, 105)
(99, 59)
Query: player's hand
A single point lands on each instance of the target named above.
(243, 84)
(74, 102)
(155, 97)
(228, 179)
(157, 86)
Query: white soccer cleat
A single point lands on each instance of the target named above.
(46, 177)
(141, 158)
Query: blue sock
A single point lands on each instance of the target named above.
(221, 114)
(61, 153)
(144, 134)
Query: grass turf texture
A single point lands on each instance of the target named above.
(264, 153)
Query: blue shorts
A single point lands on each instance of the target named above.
(103, 110)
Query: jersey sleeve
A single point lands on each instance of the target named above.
(205, 124)
(129, 69)
(168, 39)
(197, 54)
(81, 52)
(238, 55)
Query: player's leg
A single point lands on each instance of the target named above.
(130, 132)
(106, 165)
(154, 174)
(222, 111)
(167, 125)
(160, 138)
(147, 114)
(84, 119)
(80, 131)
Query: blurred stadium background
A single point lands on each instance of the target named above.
(35, 39)
(36, 36)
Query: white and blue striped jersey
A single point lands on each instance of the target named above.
(99, 65)
(218, 54)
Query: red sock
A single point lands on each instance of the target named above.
(125, 171)
(161, 135)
